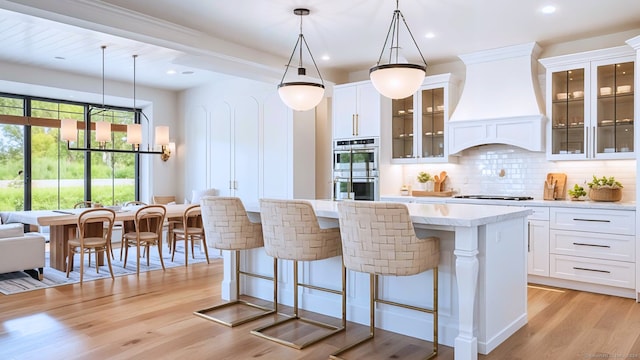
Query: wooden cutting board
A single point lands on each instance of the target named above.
(555, 186)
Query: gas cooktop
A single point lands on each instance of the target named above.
(494, 197)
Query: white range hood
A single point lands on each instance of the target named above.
(500, 102)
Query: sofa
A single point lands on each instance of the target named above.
(20, 251)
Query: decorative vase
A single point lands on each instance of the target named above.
(429, 185)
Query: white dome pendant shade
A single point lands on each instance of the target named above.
(397, 79)
(301, 94)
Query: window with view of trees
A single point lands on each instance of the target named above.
(39, 172)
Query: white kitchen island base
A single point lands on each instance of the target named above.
(482, 278)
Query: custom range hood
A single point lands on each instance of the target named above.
(500, 102)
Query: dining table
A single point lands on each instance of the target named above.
(63, 224)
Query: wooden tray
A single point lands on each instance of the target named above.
(431, 193)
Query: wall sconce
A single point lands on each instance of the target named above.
(167, 150)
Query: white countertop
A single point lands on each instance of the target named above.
(618, 205)
(464, 215)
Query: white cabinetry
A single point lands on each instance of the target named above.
(593, 246)
(538, 244)
(356, 110)
(242, 140)
(419, 123)
(235, 150)
(590, 104)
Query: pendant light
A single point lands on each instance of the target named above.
(397, 79)
(68, 128)
(134, 131)
(301, 94)
(103, 128)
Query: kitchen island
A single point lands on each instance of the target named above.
(482, 279)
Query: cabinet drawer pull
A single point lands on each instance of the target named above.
(594, 245)
(594, 270)
(592, 220)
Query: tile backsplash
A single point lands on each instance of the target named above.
(479, 171)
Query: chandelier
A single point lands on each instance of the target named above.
(69, 128)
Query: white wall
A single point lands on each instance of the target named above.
(159, 105)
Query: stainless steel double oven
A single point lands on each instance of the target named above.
(355, 169)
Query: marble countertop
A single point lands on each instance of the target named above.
(618, 205)
(460, 215)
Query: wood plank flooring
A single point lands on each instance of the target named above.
(151, 317)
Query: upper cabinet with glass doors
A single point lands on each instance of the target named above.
(590, 100)
(418, 123)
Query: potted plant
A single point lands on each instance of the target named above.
(605, 189)
(423, 179)
(577, 193)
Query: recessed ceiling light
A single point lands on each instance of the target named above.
(171, 72)
(430, 35)
(326, 57)
(187, 72)
(549, 9)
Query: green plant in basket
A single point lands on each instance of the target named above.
(604, 183)
(423, 177)
(577, 192)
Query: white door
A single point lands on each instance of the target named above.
(220, 148)
(538, 255)
(344, 105)
(246, 150)
(368, 112)
(276, 153)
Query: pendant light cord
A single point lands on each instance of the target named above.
(103, 47)
(394, 31)
(301, 40)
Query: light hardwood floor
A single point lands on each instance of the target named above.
(151, 317)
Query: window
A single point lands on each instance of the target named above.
(39, 172)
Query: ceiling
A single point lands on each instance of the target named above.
(202, 39)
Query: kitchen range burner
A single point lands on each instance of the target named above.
(494, 197)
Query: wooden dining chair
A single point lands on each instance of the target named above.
(128, 226)
(148, 232)
(171, 223)
(190, 232)
(94, 234)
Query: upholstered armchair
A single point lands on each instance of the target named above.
(20, 251)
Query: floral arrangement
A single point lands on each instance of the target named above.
(604, 183)
(577, 192)
(423, 177)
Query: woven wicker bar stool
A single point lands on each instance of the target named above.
(379, 239)
(227, 227)
(291, 232)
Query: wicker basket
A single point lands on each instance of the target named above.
(605, 194)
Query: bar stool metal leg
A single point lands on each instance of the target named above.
(206, 313)
(373, 299)
(332, 329)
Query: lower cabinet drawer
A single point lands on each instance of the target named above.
(603, 272)
(594, 245)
